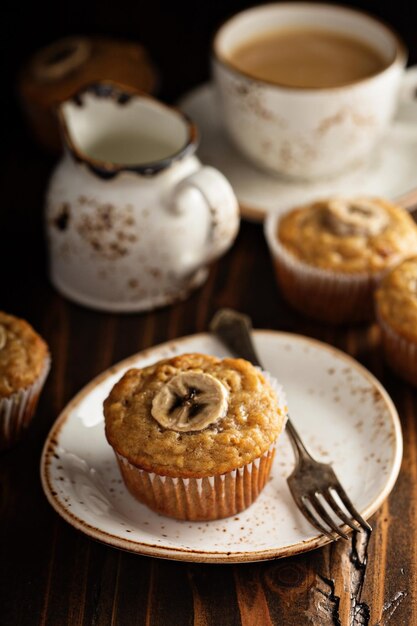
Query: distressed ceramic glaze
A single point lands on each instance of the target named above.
(132, 217)
(389, 173)
(342, 412)
(303, 132)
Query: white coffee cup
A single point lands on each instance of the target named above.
(307, 133)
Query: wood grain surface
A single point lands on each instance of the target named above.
(50, 574)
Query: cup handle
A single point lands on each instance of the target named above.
(408, 89)
(221, 203)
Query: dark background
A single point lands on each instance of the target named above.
(177, 33)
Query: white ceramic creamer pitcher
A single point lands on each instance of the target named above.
(132, 217)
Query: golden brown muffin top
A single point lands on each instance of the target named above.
(396, 299)
(23, 354)
(239, 432)
(349, 235)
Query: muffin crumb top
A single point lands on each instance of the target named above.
(218, 432)
(396, 298)
(23, 354)
(349, 235)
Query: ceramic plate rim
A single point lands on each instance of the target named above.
(191, 555)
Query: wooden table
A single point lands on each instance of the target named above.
(51, 574)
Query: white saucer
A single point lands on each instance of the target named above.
(342, 411)
(390, 173)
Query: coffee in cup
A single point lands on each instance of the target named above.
(307, 57)
(306, 90)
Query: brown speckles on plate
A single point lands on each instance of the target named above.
(258, 532)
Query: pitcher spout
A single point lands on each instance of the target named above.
(113, 128)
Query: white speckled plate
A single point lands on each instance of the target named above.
(343, 413)
(389, 173)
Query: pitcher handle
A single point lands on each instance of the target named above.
(221, 203)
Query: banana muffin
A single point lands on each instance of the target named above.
(24, 365)
(396, 310)
(330, 255)
(195, 435)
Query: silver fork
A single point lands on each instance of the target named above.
(310, 481)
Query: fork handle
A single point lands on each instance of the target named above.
(234, 330)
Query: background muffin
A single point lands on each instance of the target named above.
(24, 365)
(396, 309)
(329, 256)
(194, 435)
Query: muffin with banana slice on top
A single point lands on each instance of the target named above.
(194, 435)
(329, 256)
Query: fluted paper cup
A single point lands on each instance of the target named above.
(17, 410)
(400, 353)
(198, 498)
(326, 295)
(203, 498)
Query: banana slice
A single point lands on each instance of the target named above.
(358, 216)
(190, 401)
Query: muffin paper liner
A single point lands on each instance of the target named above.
(17, 410)
(325, 295)
(400, 353)
(205, 498)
